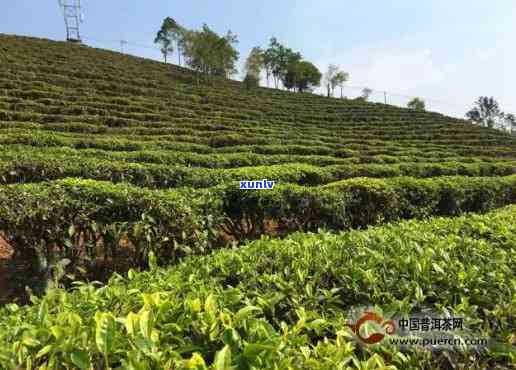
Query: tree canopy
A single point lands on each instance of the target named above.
(486, 112)
(277, 59)
(416, 104)
(302, 76)
(366, 93)
(212, 55)
(205, 51)
(254, 63)
(511, 121)
(253, 67)
(284, 65)
(209, 53)
(169, 33)
(334, 77)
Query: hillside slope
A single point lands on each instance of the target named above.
(111, 162)
(79, 97)
(73, 112)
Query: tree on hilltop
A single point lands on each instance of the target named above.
(170, 32)
(339, 79)
(486, 112)
(254, 63)
(329, 78)
(302, 75)
(253, 67)
(416, 104)
(334, 77)
(366, 93)
(277, 59)
(510, 122)
(210, 54)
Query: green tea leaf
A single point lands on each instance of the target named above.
(104, 332)
(81, 359)
(223, 359)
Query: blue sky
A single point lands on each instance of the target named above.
(447, 51)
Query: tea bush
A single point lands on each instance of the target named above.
(103, 153)
(360, 202)
(282, 303)
(84, 221)
(71, 218)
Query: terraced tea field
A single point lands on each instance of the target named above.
(113, 163)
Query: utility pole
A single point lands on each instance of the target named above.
(73, 18)
(385, 97)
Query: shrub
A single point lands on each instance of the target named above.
(282, 303)
(251, 82)
(358, 203)
(72, 218)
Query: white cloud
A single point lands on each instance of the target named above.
(397, 69)
(449, 82)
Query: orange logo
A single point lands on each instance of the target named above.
(388, 325)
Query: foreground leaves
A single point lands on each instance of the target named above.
(282, 303)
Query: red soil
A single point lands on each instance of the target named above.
(6, 250)
(6, 253)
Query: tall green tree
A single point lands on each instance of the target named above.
(302, 75)
(254, 62)
(268, 62)
(253, 67)
(329, 77)
(169, 33)
(210, 54)
(339, 79)
(334, 77)
(272, 58)
(277, 59)
(416, 104)
(288, 58)
(366, 93)
(510, 122)
(486, 112)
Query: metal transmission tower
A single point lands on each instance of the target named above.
(73, 18)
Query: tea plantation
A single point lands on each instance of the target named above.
(113, 165)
